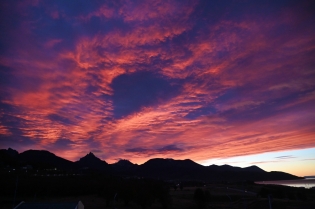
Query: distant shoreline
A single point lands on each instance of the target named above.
(306, 182)
(309, 177)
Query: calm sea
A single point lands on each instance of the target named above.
(307, 183)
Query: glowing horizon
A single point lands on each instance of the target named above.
(147, 79)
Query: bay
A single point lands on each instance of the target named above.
(307, 183)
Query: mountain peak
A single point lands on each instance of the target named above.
(91, 154)
(124, 162)
(43, 153)
(90, 157)
(169, 162)
(254, 168)
(90, 160)
(12, 152)
(44, 159)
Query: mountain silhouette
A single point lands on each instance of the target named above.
(160, 163)
(253, 168)
(124, 163)
(9, 157)
(122, 166)
(44, 159)
(92, 162)
(235, 169)
(167, 169)
(12, 152)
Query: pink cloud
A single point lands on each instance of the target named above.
(66, 93)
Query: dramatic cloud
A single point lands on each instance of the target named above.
(139, 79)
(149, 152)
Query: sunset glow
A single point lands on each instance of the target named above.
(213, 81)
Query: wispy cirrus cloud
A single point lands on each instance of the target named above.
(284, 157)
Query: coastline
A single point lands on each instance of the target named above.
(305, 182)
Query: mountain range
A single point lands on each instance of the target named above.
(167, 169)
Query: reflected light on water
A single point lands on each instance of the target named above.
(307, 182)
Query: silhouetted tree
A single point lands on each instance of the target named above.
(127, 192)
(263, 192)
(164, 196)
(301, 195)
(207, 195)
(201, 198)
(279, 193)
(144, 195)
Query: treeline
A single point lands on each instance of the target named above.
(143, 192)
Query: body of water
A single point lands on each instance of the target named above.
(307, 183)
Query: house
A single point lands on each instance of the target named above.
(63, 205)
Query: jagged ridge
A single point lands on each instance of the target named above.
(153, 168)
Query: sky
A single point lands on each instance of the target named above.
(218, 82)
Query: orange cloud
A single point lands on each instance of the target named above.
(244, 87)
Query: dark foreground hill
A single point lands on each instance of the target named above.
(44, 159)
(158, 168)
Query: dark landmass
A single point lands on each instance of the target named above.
(90, 161)
(158, 168)
(102, 191)
(44, 159)
(41, 176)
